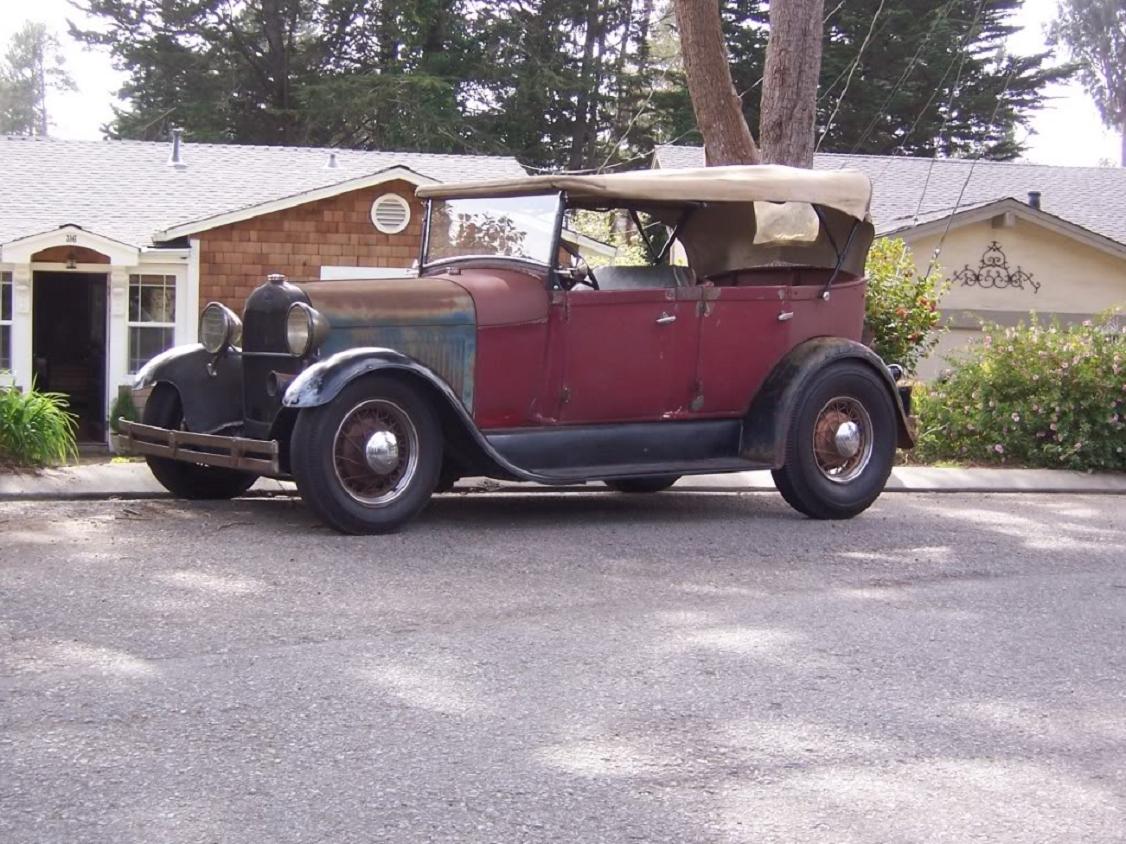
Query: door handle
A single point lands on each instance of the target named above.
(785, 315)
(666, 319)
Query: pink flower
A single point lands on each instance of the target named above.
(1053, 426)
(1016, 417)
(1000, 449)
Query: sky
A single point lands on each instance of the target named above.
(1067, 131)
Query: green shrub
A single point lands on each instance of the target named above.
(36, 429)
(901, 310)
(123, 408)
(1033, 395)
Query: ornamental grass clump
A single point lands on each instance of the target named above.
(36, 429)
(1034, 395)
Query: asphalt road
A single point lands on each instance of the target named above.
(578, 668)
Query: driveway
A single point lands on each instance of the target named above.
(687, 667)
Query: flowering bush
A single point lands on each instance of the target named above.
(1033, 395)
(902, 306)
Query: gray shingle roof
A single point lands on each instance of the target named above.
(1091, 197)
(125, 190)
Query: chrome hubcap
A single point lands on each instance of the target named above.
(382, 452)
(375, 452)
(847, 439)
(842, 439)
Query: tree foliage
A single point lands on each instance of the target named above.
(1094, 32)
(559, 83)
(31, 66)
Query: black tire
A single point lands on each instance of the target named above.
(656, 483)
(331, 468)
(824, 483)
(188, 480)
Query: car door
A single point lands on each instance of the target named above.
(744, 332)
(627, 355)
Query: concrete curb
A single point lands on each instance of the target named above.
(133, 481)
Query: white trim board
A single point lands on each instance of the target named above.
(389, 174)
(349, 273)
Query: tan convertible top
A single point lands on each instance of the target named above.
(848, 191)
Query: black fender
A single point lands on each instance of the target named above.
(210, 385)
(322, 382)
(767, 423)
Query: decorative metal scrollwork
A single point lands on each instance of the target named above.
(994, 271)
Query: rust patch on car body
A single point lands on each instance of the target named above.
(432, 320)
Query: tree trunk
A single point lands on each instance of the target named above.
(719, 111)
(1123, 162)
(789, 82)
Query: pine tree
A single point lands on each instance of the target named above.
(31, 67)
(1094, 32)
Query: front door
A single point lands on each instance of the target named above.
(69, 344)
(628, 355)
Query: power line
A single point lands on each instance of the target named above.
(969, 175)
(950, 102)
(939, 15)
(852, 70)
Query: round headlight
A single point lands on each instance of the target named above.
(305, 329)
(219, 328)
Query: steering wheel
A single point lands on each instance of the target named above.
(581, 273)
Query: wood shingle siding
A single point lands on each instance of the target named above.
(234, 259)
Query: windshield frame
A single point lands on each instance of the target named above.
(549, 267)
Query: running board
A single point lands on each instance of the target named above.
(566, 453)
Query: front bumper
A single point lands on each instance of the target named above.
(258, 456)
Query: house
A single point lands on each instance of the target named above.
(109, 248)
(1012, 238)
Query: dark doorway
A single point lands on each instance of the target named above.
(69, 344)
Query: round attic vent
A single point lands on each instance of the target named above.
(390, 213)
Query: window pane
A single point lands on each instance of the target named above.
(146, 343)
(5, 350)
(156, 305)
(5, 300)
(152, 298)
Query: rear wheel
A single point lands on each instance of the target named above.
(656, 483)
(368, 461)
(840, 445)
(188, 480)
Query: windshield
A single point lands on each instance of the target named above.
(511, 227)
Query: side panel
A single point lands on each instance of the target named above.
(512, 324)
(744, 332)
(841, 315)
(510, 378)
(630, 355)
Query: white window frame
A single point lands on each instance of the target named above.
(7, 282)
(169, 279)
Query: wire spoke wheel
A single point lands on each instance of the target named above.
(375, 452)
(842, 439)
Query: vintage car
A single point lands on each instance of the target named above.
(513, 356)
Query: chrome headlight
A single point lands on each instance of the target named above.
(305, 329)
(219, 328)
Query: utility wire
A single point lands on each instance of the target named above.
(950, 103)
(852, 70)
(969, 176)
(939, 16)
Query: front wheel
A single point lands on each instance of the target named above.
(368, 461)
(188, 480)
(840, 445)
